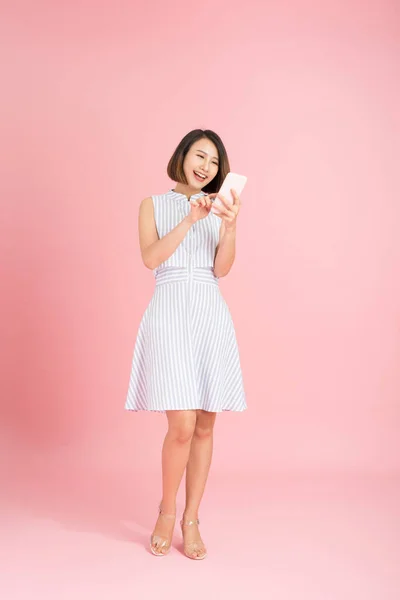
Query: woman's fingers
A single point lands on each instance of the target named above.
(236, 199)
(221, 210)
(224, 201)
(205, 201)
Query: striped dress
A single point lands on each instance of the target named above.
(186, 354)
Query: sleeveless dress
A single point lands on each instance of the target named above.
(186, 354)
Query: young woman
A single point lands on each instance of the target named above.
(186, 360)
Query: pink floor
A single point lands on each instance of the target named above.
(71, 531)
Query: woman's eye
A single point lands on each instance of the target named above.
(200, 156)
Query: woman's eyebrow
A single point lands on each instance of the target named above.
(204, 152)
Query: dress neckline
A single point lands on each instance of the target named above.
(183, 198)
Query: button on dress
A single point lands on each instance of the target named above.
(186, 354)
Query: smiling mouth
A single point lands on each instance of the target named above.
(198, 177)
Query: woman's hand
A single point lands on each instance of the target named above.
(228, 212)
(201, 207)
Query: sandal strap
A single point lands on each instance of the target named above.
(165, 514)
(194, 546)
(195, 522)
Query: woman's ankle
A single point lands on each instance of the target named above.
(168, 507)
(190, 515)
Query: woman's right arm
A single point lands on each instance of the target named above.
(154, 250)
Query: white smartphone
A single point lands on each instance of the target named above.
(232, 180)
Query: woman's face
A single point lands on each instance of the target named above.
(201, 160)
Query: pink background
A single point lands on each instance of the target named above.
(95, 97)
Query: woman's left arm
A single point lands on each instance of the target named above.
(225, 253)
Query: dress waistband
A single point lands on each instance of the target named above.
(188, 274)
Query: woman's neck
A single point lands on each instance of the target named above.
(186, 190)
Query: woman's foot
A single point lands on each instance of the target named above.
(193, 545)
(161, 538)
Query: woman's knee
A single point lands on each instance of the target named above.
(182, 425)
(204, 424)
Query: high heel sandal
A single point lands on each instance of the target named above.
(191, 547)
(156, 539)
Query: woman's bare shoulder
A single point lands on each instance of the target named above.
(148, 201)
(146, 206)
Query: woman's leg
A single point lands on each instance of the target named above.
(197, 470)
(199, 462)
(175, 454)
